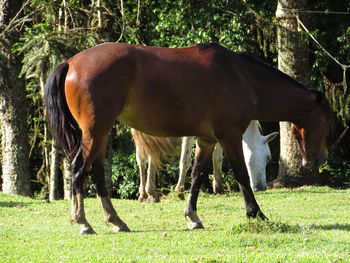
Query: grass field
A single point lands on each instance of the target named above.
(310, 224)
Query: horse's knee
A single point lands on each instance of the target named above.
(78, 180)
(78, 171)
(98, 177)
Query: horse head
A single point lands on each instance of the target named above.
(257, 154)
(312, 132)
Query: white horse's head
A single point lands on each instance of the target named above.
(257, 154)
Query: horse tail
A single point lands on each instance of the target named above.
(152, 146)
(63, 126)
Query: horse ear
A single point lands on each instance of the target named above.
(270, 137)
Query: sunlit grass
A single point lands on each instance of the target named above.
(310, 224)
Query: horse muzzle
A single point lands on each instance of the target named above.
(316, 161)
(259, 188)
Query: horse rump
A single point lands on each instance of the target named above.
(63, 126)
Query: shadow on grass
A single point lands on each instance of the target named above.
(168, 231)
(13, 204)
(299, 190)
(344, 227)
(258, 226)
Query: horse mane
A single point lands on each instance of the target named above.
(221, 60)
(212, 46)
(256, 62)
(273, 70)
(320, 97)
(221, 55)
(323, 101)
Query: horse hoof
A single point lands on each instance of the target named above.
(123, 228)
(218, 190)
(153, 199)
(142, 199)
(193, 226)
(88, 231)
(258, 215)
(181, 196)
(261, 216)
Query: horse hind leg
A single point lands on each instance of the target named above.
(153, 197)
(90, 160)
(98, 177)
(217, 159)
(185, 163)
(79, 176)
(142, 164)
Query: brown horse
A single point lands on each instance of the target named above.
(205, 90)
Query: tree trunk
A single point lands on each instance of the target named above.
(54, 170)
(14, 143)
(67, 180)
(293, 59)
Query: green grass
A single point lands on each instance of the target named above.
(310, 224)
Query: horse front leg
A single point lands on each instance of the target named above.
(204, 151)
(232, 146)
(218, 184)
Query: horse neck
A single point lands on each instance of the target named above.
(276, 96)
(285, 102)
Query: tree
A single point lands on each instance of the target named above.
(67, 180)
(48, 41)
(293, 59)
(14, 141)
(54, 170)
(52, 31)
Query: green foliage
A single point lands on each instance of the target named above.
(259, 226)
(53, 32)
(334, 36)
(338, 172)
(43, 48)
(184, 23)
(125, 174)
(168, 174)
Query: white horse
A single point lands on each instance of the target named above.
(149, 148)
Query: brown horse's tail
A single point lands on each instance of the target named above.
(63, 126)
(152, 146)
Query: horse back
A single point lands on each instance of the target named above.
(161, 91)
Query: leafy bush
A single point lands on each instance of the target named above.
(125, 174)
(259, 226)
(338, 172)
(168, 174)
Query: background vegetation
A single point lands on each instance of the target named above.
(52, 31)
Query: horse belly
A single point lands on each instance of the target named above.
(160, 121)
